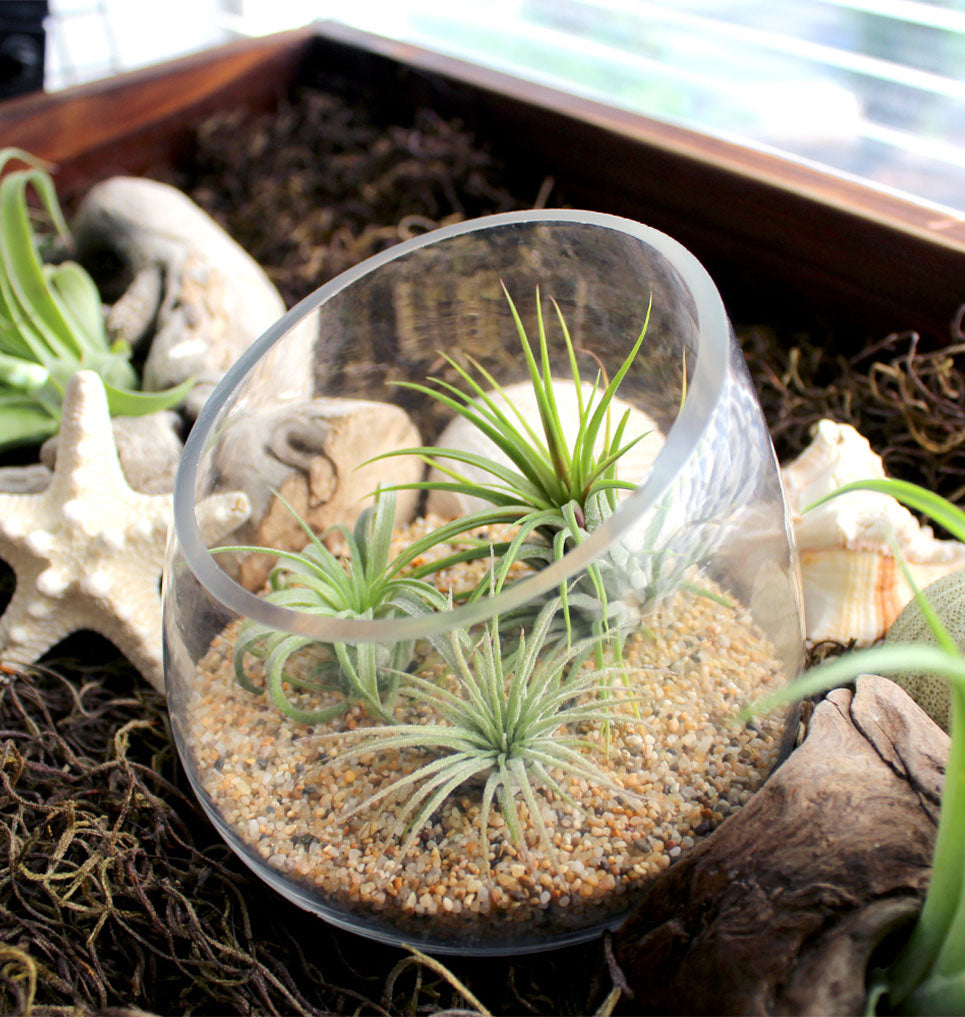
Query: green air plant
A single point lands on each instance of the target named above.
(928, 974)
(52, 321)
(553, 490)
(315, 581)
(509, 722)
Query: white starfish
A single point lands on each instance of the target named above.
(87, 551)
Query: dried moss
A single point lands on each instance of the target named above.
(907, 401)
(323, 183)
(108, 896)
(115, 892)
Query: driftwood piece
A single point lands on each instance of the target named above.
(195, 291)
(24, 479)
(779, 910)
(311, 455)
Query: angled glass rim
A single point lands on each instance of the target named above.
(704, 391)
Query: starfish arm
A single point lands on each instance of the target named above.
(86, 437)
(30, 626)
(133, 625)
(87, 551)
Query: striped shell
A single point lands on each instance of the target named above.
(853, 585)
(856, 594)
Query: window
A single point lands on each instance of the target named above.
(870, 88)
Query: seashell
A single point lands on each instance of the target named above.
(857, 594)
(460, 434)
(853, 585)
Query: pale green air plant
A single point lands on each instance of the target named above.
(554, 491)
(314, 581)
(928, 974)
(510, 722)
(52, 321)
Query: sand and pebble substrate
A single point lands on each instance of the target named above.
(283, 792)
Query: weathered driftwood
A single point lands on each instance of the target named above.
(311, 454)
(779, 910)
(24, 479)
(196, 293)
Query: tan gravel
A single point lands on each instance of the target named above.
(285, 794)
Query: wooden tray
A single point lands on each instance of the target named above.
(770, 230)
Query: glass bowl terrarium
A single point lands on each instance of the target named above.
(518, 553)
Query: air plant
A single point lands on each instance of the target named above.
(554, 492)
(558, 489)
(367, 585)
(510, 722)
(52, 321)
(928, 974)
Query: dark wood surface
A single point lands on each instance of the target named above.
(870, 259)
(859, 256)
(135, 121)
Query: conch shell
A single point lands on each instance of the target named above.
(853, 585)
